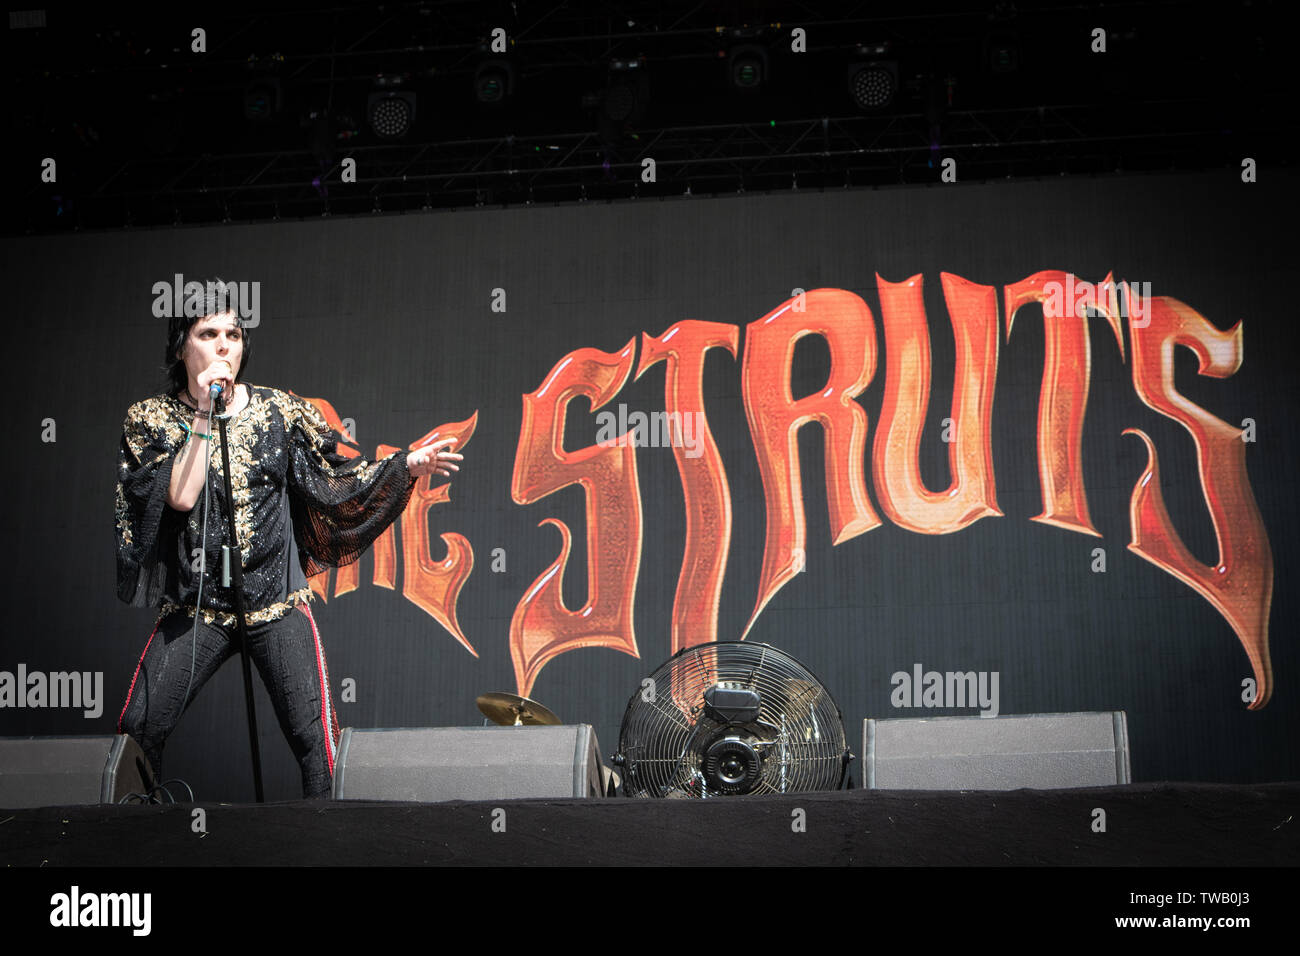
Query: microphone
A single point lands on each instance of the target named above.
(214, 390)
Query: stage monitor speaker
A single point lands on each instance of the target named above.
(468, 763)
(58, 771)
(1035, 751)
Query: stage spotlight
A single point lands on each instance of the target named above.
(747, 67)
(873, 79)
(627, 92)
(1002, 42)
(1002, 50)
(391, 114)
(390, 111)
(263, 98)
(494, 82)
(263, 94)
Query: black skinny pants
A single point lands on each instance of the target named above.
(287, 653)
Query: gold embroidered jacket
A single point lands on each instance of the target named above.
(300, 506)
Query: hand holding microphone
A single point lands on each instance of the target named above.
(216, 379)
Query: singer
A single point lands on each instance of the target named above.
(300, 507)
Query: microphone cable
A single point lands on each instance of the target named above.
(203, 563)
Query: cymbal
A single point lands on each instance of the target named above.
(511, 710)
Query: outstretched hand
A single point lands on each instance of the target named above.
(437, 458)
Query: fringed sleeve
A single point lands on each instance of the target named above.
(144, 470)
(338, 505)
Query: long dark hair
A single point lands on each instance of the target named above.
(215, 300)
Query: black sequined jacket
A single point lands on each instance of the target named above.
(300, 506)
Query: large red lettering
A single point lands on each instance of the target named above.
(432, 585)
(1240, 586)
(542, 627)
(775, 418)
(1063, 399)
(895, 463)
(704, 479)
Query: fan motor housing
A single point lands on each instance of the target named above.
(732, 705)
(732, 765)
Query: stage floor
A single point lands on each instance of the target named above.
(1150, 824)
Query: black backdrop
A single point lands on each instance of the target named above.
(390, 319)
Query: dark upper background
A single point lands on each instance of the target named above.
(1126, 162)
(147, 132)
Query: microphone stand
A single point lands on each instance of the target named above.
(232, 576)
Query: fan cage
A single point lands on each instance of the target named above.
(666, 731)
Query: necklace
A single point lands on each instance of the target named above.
(195, 406)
